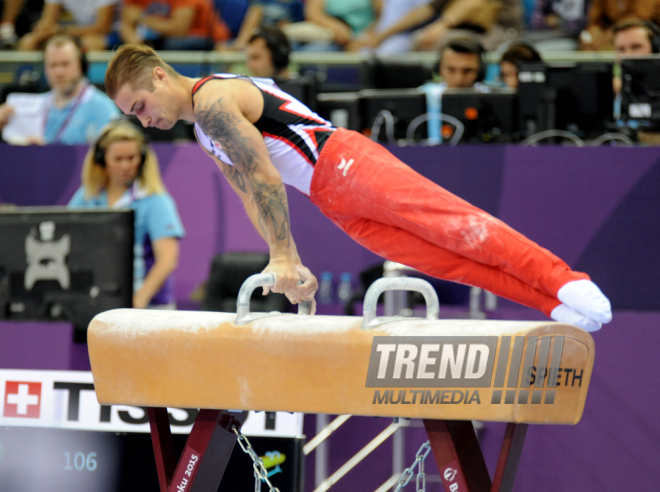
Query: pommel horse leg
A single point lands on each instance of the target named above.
(205, 455)
(460, 461)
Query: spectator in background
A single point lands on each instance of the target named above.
(74, 111)
(120, 171)
(635, 37)
(272, 13)
(566, 18)
(281, 12)
(604, 14)
(10, 11)
(173, 24)
(92, 22)
(517, 53)
(338, 23)
(461, 66)
(268, 53)
(491, 21)
(461, 63)
(391, 12)
(632, 37)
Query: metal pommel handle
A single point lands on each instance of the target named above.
(398, 283)
(243, 315)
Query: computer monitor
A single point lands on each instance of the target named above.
(380, 73)
(404, 105)
(341, 108)
(576, 97)
(303, 88)
(61, 264)
(640, 91)
(62, 460)
(487, 117)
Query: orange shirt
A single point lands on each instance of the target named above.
(206, 23)
(606, 13)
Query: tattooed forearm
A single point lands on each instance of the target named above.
(222, 126)
(266, 199)
(273, 211)
(235, 176)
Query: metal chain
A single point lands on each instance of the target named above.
(408, 473)
(260, 473)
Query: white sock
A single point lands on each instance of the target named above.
(564, 314)
(586, 298)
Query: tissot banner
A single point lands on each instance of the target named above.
(66, 400)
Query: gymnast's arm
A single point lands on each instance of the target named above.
(309, 287)
(258, 184)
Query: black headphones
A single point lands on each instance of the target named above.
(99, 149)
(84, 64)
(465, 45)
(652, 30)
(655, 36)
(277, 44)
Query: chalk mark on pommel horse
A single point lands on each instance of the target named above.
(445, 372)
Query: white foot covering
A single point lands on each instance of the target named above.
(587, 299)
(564, 314)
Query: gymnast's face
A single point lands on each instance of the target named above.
(155, 107)
(122, 163)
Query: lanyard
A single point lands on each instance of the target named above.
(66, 121)
(130, 196)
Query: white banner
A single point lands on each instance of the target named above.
(67, 400)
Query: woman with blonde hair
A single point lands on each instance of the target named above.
(121, 171)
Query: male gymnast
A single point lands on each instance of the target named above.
(262, 138)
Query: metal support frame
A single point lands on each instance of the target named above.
(507, 464)
(460, 460)
(205, 455)
(360, 455)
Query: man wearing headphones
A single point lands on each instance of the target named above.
(636, 38)
(461, 64)
(73, 111)
(632, 38)
(267, 53)
(599, 33)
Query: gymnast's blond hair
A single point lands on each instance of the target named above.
(134, 64)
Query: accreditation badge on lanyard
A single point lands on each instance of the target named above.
(67, 120)
(134, 193)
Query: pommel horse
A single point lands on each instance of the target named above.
(445, 372)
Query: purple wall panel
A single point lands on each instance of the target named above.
(32, 345)
(560, 197)
(190, 180)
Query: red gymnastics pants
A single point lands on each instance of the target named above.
(400, 215)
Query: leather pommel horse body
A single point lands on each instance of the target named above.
(446, 372)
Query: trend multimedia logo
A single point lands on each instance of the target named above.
(470, 363)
